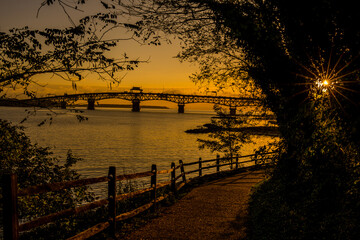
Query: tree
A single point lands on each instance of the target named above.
(225, 136)
(303, 56)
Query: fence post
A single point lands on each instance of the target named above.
(173, 176)
(182, 170)
(11, 223)
(153, 185)
(200, 167)
(231, 161)
(112, 199)
(237, 161)
(217, 163)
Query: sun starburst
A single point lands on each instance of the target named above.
(330, 79)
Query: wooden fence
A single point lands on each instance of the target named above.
(12, 228)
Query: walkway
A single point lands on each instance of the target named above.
(215, 210)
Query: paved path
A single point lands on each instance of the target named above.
(215, 210)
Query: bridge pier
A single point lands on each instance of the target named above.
(135, 105)
(91, 104)
(63, 104)
(232, 111)
(181, 108)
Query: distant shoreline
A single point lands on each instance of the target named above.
(259, 130)
(119, 106)
(17, 103)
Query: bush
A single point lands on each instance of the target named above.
(36, 165)
(313, 191)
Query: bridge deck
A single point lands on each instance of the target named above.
(216, 210)
(176, 98)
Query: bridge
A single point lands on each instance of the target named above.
(137, 97)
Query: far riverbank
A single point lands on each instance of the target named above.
(17, 103)
(120, 106)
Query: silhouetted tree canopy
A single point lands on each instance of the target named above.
(283, 46)
(279, 47)
(302, 55)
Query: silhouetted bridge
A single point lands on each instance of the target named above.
(137, 97)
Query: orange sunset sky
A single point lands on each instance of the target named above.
(162, 71)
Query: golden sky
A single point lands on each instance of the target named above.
(162, 71)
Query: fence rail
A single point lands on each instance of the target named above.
(12, 228)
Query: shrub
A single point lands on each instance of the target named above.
(35, 165)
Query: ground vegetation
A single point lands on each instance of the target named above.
(35, 165)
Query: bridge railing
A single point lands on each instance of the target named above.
(12, 227)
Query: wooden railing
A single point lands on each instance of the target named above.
(12, 228)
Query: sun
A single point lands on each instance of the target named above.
(323, 85)
(329, 78)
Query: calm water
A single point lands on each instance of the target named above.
(118, 137)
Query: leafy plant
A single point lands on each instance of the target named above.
(35, 165)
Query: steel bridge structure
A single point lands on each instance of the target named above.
(137, 97)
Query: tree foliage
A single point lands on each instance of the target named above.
(203, 41)
(67, 54)
(225, 137)
(283, 47)
(304, 57)
(35, 165)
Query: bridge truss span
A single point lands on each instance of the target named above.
(137, 97)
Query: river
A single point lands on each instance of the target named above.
(131, 141)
